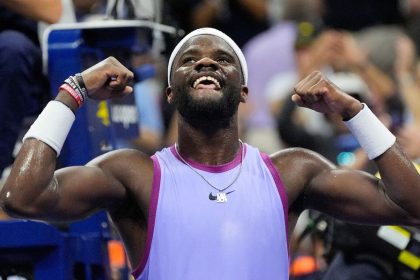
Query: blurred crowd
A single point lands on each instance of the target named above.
(368, 48)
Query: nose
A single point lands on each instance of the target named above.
(206, 62)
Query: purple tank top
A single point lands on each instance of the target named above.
(191, 236)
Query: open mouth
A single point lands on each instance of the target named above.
(206, 82)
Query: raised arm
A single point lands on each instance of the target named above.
(35, 190)
(354, 195)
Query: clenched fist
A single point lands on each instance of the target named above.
(318, 93)
(108, 79)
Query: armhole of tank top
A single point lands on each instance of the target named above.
(154, 197)
(280, 188)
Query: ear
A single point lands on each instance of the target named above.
(169, 95)
(244, 94)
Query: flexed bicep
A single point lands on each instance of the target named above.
(77, 192)
(71, 193)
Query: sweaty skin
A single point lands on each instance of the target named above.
(120, 181)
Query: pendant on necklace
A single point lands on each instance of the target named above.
(219, 197)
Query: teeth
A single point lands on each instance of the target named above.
(206, 78)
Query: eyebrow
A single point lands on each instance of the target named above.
(225, 53)
(191, 51)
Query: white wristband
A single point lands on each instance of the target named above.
(372, 135)
(52, 125)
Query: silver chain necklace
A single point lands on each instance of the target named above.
(221, 195)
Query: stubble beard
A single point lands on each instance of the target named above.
(207, 113)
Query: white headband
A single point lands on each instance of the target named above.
(215, 32)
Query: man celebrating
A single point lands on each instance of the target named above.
(209, 207)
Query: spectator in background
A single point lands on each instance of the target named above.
(412, 12)
(240, 19)
(338, 56)
(270, 53)
(407, 69)
(23, 88)
(378, 24)
(407, 75)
